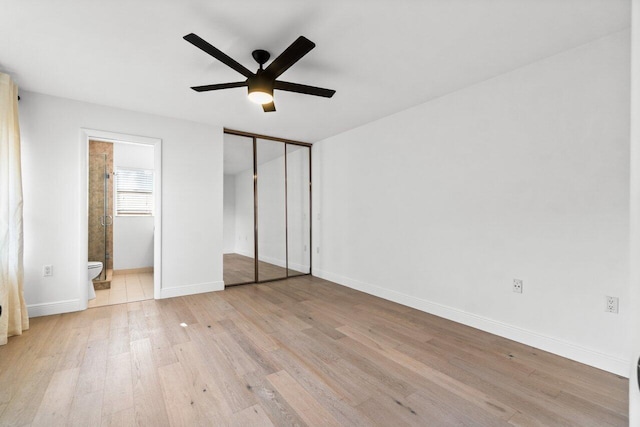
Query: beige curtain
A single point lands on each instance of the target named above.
(14, 318)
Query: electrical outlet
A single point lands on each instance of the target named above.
(318, 249)
(517, 286)
(612, 305)
(47, 270)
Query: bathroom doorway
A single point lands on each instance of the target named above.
(123, 218)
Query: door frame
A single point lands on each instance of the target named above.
(634, 219)
(83, 204)
(254, 137)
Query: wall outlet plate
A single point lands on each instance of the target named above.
(611, 304)
(517, 286)
(47, 270)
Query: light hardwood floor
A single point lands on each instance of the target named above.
(128, 287)
(297, 352)
(240, 269)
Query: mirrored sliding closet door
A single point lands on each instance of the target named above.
(267, 232)
(298, 211)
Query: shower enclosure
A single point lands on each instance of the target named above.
(100, 218)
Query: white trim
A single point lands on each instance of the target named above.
(57, 307)
(292, 265)
(275, 261)
(553, 345)
(198, 288)
(85, 135)
(280, 263)
(634, 218)
(244, 253)
(299, 267)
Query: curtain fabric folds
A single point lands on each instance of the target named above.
(14, 318)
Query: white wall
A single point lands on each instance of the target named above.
(298, 216)
(522, 176)
(229, 215)
(244, 213)
(634, 304)
(52, 173)
(272, 246)
(132, 242)
(132, 235)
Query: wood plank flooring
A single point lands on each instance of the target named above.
(298, 352)
(240, 269)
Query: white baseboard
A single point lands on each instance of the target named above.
(299, 267)
(199, 288)
(244, 253)
(138, 270)
(67, 306)
(274, 261)
(552, 345)
(280, 263)
(56, 307)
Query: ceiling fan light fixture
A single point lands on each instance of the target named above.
(260, 89)
(260, 96)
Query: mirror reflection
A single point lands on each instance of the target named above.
(238, 234)
(272, 246)
(298, 214)
(267, 212)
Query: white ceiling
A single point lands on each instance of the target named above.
(381, 56)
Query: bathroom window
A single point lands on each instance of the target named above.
(134, 191)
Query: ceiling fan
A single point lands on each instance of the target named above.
(262, 83)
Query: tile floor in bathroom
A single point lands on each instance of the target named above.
(125, 288)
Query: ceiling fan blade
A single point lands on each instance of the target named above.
(290, 56)
(218, 54)
(269, 107)
(218, 86)
(307, 90)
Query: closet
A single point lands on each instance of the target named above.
(267, 208)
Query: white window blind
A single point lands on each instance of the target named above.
(134, 191)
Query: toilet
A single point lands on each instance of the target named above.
(94, 269)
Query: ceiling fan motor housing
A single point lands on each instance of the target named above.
(260, 83)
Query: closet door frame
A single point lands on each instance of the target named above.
(286, 142)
